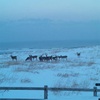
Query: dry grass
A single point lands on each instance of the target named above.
(2, 77)
(59, 84)
(21, 69)
(26, 69)
(75, 84)
(65, 75)
(94, 79)
(9, 63)
(69, 84)
(26, 80)
(90, 63)
(5, 79)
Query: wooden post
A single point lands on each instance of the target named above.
(95, 91)
(45, 92)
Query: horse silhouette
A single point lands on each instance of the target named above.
(78, 54)
(13, 57)
(62, 57)
(29, 58)
(34, 57)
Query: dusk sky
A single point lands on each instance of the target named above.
(36, 20)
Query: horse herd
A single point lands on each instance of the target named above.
(43, 58)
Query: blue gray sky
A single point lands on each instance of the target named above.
(36, 20)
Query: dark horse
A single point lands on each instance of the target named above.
(78, 54)
(46, 58)
(34, 57)
(13, 57)
(29, 58)
(62, 57)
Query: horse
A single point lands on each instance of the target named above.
(45, 58)
(29, 58)
(41, 58)
(34, 57)
(48, 58)
(54, 58)
(78, 54)
(63, 57)
(13, 57)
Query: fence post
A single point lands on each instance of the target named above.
(45, 92)
(95, 91)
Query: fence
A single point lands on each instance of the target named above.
(46, 89)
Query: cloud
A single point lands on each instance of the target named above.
(45, 29)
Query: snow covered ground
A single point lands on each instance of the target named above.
(75, 72)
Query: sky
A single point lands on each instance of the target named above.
(36, 20)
